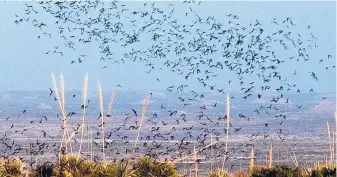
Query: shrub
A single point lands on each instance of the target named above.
(121, 169)
(87, 168)
(71, 166)
(144, 167)
(104, 169)
(44, 170)
(12, 168)
(323, 171)
(277, 171)
(241, 174)
(67, 166)
(219, 172)
(164, 169)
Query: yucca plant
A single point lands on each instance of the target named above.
(143, 167)
(219, 172)
(104, 170)
(68, 166)
(12, 168)
(164, 169)
(122, 169)
(87, 168)
(74, 167)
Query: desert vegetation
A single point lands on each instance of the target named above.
(264, 61)
(72, 166)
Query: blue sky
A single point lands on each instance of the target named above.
(24, 67)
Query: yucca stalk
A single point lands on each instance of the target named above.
(211, 151)
(294, 159)
(63, 107)
(227, 130)
(195, 162)
(190, 172)
(146, 101)
(109, 107)
(100, 95)
(335, 146)
(251, 160)
(62, 111)
(270, 161)
(112, 97)
(329, 135)
(84, 100)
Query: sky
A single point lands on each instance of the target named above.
(23, 66)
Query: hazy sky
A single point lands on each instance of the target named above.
(23, 65)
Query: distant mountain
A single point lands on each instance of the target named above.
(40, 103)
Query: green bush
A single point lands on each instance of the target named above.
(323, 171)
(277, 171)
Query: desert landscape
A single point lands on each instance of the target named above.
(168, 89)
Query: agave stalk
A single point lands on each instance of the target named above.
(227, 130)
(146, 101)
(84, 100)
